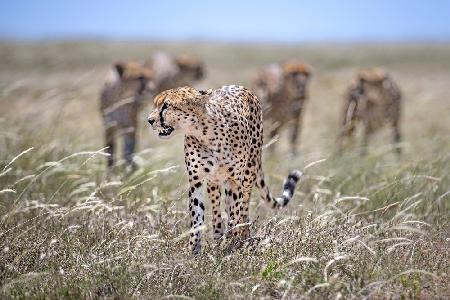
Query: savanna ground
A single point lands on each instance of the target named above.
(373, 227)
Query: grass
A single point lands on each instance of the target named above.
(373, 227)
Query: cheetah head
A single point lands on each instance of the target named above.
(296, 76)
(134, 79)
(177, 110)
(373, 78)
(191, 68)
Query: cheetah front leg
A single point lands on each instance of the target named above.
(129, 140)
(244, 215)
(228, 206)
(197, 212)
(214, 196)
(397, 137)
(397, 140)
(249, 182)
(366, 138)
(295, 130)
(109, 143)
(347, 129)
(273, 135)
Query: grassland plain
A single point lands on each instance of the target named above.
(374, 227)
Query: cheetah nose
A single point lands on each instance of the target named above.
(151, 121)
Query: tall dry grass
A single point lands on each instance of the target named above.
(373, 227)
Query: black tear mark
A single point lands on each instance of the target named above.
(161, 116)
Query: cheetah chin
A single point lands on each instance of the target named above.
(165, 132)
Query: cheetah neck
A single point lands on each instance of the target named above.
(207, 135)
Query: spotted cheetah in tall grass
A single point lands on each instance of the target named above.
(223, 140)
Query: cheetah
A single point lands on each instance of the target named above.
(174, 71)
(374, 100)
(222, 145)
(283, 90)
(126, 86)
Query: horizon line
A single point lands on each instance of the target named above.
(145, 39)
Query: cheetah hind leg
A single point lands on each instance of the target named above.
(214, 197)
(129, 148)
(365, 140)
(244, 230)
(109, 144)
(397, 138)
(235, 233)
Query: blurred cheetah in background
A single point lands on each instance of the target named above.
(129, 84)
(223, 140)
(283, 90)
(126, 85)
(372, 99)
(174, 71)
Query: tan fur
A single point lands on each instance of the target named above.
(188, 61)
(283, 90)
(183, 96)
(174, 71)
(372, 75)
(374, 100)
(295, 67)
(223, 140)
(126, 85)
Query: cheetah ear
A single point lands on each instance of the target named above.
(120, 68)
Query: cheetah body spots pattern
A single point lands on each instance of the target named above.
(223, 141)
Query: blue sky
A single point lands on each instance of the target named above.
(231, 20)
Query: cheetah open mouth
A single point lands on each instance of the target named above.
(165, 132)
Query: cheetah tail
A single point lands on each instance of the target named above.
(288, 189)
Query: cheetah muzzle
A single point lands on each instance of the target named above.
(165, 132)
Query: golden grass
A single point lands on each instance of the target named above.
(374, 227)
